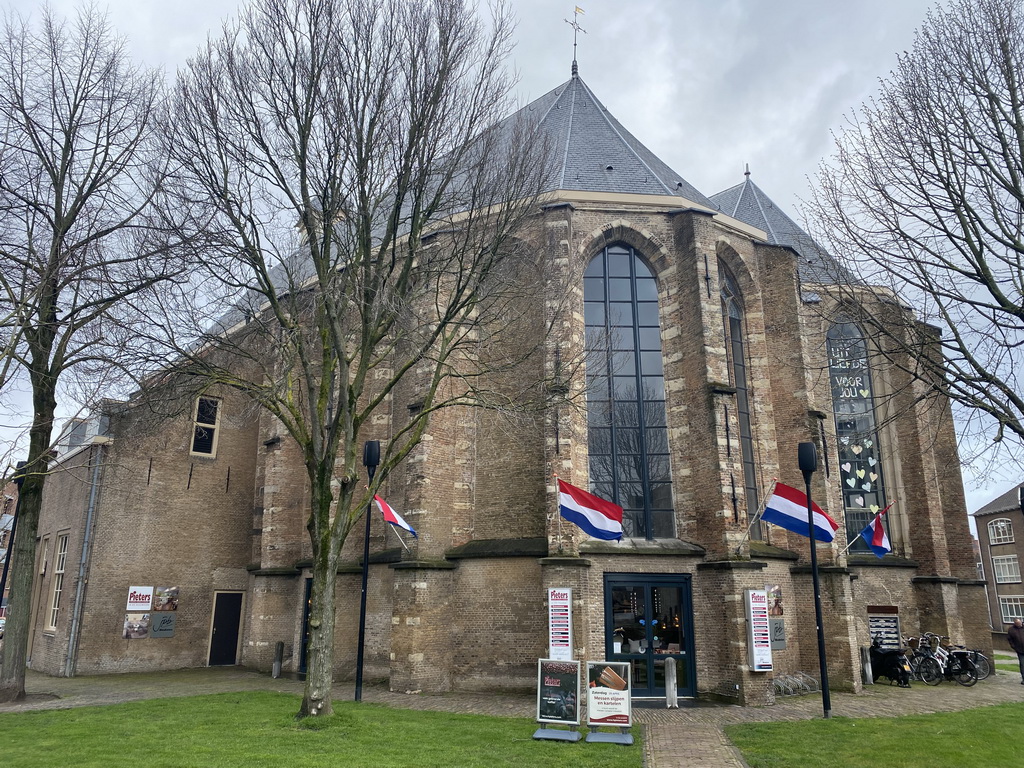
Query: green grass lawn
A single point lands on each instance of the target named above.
(252, 730)
(978, 738)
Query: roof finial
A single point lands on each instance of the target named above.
(747, 171)
(576, 29)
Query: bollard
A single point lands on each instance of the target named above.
(671, 694)
(278, 658)
(865, 661)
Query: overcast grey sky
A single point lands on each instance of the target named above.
(708, 85)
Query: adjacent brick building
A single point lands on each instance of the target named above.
(715, 343)
(1001, 541)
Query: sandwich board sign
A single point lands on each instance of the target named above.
(558, 699)
(609, 700)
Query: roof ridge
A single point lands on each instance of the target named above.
(757, 199)
(568, 130)
(603, 112)
(550, 106)
(736, 205)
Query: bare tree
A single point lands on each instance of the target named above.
(76, 174)
(924, 198)
(356, 197)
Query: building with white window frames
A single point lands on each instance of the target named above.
(1001, 537)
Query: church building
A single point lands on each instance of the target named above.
(717, 336)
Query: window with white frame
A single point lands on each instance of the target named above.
(206, 426)
(58, 580)
(1006, 569)
(1012, 607)
(1000, 531)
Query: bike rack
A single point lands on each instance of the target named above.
(797, 684)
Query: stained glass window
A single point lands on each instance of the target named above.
(860, 456)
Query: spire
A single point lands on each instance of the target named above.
(576, 29)
(747, 171)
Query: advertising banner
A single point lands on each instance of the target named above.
(162, 624)
(560, 624)
(558, 692)
(608, 694)
(165, 598)
(139, 599)
(759, 640)
(136, 626)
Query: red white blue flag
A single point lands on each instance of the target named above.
(876, 537)
(391, 516)
(787, 508)
(596, 516)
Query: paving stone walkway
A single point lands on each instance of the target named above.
(689, 737)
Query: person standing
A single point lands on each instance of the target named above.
(1016, 638)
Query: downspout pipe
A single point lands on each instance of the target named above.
(71, 662)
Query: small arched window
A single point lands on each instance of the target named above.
(628, 435)
(1000, 531)
(860, 455)
(735, 350)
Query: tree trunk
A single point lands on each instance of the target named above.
(316, 699)
(22, 554)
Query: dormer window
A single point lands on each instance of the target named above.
(206, 426)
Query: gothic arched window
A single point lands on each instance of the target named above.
(628, 436)
(860, 455)
(732, 318)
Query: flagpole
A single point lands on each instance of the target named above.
(757, 515)
(558, 517)
(861, 534)
(400, 539)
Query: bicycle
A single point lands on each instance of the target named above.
(981, 662)
(923, 664)
(956, 664)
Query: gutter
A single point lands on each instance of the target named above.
(83, 565)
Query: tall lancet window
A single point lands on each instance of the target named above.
(732, 318)
(628, 436)
(860, 455)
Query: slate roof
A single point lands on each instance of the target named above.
(1008, 502)
(748, 203)
(593, 152)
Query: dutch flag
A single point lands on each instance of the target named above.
(391, 516)
(787, 508)
(876, 537)
(597, 517)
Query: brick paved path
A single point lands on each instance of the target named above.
(678, 738)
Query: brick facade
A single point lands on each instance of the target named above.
(464, 606)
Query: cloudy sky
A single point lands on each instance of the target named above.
(708, 85)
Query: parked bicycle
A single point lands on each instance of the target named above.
(955, 664)
(982, 663)
(923, 664)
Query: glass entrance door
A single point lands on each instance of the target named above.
(648, 620)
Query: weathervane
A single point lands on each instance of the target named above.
(576, 29)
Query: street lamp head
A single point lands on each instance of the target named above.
(371, 453)
(19, 475)
(807, 456)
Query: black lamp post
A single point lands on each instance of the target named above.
(371, 458)
(807, 455)
(19, 480)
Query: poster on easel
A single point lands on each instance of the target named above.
(608, 694)
(558, 692)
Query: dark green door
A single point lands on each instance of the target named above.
(648, 620)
